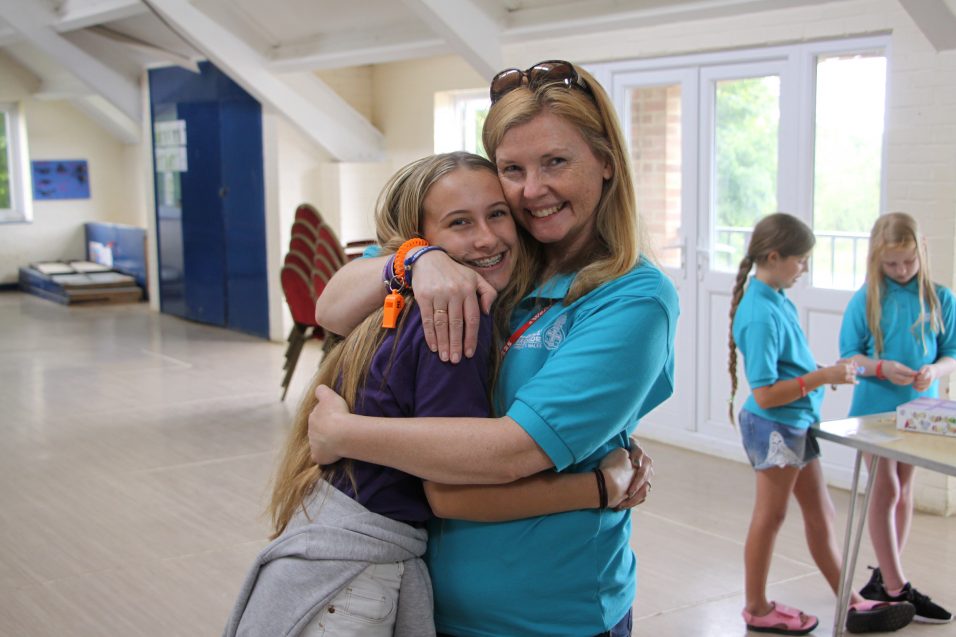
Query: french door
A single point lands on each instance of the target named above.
(714, 147)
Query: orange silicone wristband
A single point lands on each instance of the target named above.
(879, 371)
(402, 251)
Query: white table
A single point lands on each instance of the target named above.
(877, 435)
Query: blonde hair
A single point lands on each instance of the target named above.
(899, 231)
(781, 233)
(618, 240)
(398, 217)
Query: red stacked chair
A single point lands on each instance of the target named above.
(314, 255)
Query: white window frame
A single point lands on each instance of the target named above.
(454, 119)
(18, 160)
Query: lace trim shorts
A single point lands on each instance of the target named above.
(772, 444)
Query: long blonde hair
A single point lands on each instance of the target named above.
(899, 231)
(618, 240)
(398, 217)
(781, 233)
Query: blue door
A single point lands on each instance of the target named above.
(210, 204)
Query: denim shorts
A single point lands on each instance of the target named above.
(772, 444)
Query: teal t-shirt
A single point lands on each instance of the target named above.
(577, 381)
(902, 342)
(768, 334)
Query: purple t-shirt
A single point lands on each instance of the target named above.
(410, 380)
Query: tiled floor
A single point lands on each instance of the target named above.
(137, 450)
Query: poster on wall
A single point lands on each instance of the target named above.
(61, 179)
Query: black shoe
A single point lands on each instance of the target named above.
(874, 588)
(881, 619)
(927, 612)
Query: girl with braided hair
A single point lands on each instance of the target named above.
(786, 392)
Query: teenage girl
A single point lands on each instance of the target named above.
(901, 329)
(348, 537)
(787, 389)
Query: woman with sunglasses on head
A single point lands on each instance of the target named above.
(590, 351)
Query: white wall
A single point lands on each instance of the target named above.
(56, 130)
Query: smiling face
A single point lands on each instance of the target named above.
(553, 182)
(467, 215)
(900, 264)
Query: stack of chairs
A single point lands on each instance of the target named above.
(314, 255)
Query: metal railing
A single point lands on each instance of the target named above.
(839, 258)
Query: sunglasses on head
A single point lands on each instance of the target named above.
(542, 73)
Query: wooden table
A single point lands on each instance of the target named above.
(877, 435)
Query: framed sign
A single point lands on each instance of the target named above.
(61, 179)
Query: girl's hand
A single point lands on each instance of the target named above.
(322, 425)
(451, 298)
(898, 373)
(924, 377)
(842, 373)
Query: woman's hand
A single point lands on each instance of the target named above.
(897, 373)
(637, 475)
(451, 298)
(925, 377)
(322, 425)
(618, 473)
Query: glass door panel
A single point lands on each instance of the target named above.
(746, 133)
(655, 139)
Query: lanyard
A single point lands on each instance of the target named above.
(521, 330)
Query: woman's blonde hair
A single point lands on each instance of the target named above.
(899, 231)
(399, 216)
(618, 240)
(781, 233)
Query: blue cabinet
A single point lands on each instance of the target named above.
(210, 199)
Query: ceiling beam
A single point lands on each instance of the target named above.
(34, 22)
(935, 20)
(79, 14)
(358, 48)
(469, 31)
(305, 100)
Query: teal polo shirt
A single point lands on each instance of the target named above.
(768, 334)
(902, 342)
(577, 381)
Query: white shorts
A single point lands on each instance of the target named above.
(364, 608)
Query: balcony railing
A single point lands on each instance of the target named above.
(838, 260)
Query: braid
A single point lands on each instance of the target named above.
(745, 265)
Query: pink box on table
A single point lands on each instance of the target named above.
(928, 415)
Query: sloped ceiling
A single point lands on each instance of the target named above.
(93, 51)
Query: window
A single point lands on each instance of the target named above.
(15, 199)
(747, 123)
(459, 116)
(846, 165)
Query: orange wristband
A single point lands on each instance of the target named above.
(879, 371)
(803, 387)
(394, 301)
(402, 251)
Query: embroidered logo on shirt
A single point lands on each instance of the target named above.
(554, 335)
(550, 338)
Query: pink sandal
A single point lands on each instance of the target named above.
(781, 620)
